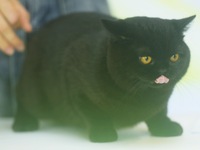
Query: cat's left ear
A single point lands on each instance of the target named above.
(115, 27)
(182, 24)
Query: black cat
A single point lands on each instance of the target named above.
(103, 74)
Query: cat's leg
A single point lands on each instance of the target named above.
(26, 94)
(160, 125)
(101, 128)
(24, 121)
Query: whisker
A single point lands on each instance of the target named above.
(134, 89)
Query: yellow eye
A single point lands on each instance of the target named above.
(174, 58)
(145, 60)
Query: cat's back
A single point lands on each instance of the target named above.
(70, 26)
(58, 36)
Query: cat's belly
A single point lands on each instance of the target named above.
(132, 117)
(131, 114)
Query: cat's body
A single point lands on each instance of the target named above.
(78, 73)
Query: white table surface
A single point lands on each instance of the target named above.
(61, 138)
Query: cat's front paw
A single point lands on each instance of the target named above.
(23, 125)
(102, 135)
(166, 129)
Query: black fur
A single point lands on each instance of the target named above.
(85, 71)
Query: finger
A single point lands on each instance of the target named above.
(5, 46)
(7, 32)
(9, 12)
(24, 18)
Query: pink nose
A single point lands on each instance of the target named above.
(162, 80)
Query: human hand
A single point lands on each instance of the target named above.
(12, 16)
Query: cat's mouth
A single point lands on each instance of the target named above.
(162, 80)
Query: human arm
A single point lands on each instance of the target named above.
(12, 16)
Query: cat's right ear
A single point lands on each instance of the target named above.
(182, 24)
(115, 27)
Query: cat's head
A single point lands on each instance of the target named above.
(151, 50)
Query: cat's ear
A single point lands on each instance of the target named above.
(115, 27)
(182, 24)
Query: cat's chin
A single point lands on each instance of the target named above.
(153, 84)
